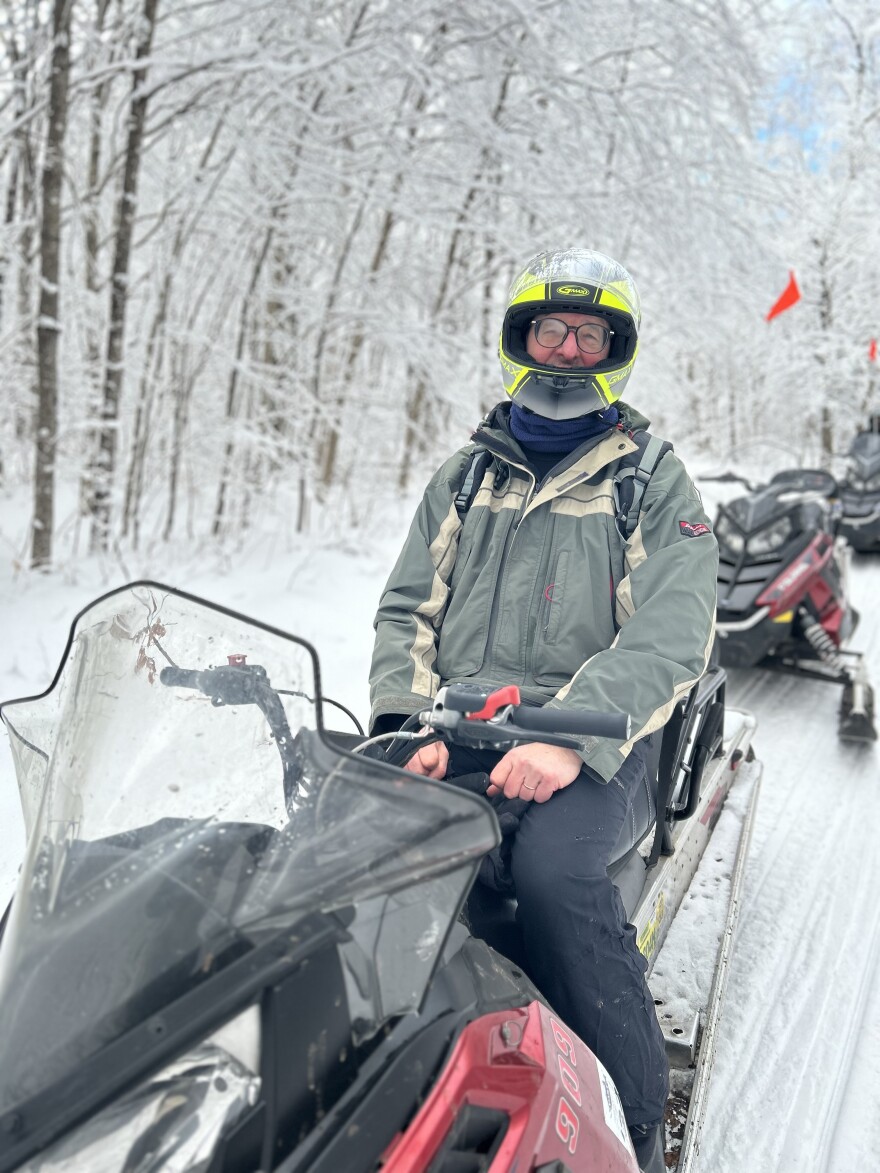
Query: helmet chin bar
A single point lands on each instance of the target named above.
(559, 397)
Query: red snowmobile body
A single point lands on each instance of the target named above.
(782, 589)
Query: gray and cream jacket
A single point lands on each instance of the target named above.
(522, 589)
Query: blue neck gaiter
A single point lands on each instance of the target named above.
(558, 435)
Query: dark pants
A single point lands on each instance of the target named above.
(580, 951)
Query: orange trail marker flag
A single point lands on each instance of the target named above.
(872, 350)
(787, 298)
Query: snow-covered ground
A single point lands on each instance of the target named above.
(325, 594)
(796, 1085)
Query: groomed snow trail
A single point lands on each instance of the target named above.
(796, 1086)
(797, 1068)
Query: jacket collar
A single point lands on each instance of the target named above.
(494, 433)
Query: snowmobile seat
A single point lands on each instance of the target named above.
(644, 808)
(491, 915)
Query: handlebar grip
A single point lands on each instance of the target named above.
(586, 722)
(181, 677)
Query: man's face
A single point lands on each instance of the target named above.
(568, 355)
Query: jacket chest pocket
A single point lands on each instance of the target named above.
(550, 614)
(574, 617)
(474, 586)
(564, 621)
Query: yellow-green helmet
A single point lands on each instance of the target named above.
(574, 280)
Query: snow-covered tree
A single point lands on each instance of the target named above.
(288, 231)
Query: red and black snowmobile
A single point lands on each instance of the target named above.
(237, 944)
(782, 588)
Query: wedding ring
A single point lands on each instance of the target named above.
(526, 786)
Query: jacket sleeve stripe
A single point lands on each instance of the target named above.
(660, 716)
(634, 555)
(429, 615)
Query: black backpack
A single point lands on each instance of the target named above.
(634, 472)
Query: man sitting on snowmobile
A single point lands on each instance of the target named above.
(516, 585)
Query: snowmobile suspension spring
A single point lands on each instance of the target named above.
(822, 644)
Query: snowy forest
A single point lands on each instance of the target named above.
(254, 253)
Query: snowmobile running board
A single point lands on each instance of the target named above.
(691, 953)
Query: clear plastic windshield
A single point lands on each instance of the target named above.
(864, 462)
(182, 805)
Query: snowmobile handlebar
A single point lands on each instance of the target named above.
(729, 476)
(471, 715)
(235, 683)
(463, 713)
(239, 683)
(812, 482)
(586, 723)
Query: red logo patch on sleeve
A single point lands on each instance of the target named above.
(693, 529)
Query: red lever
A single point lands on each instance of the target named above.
(509, 695)
(237, 660)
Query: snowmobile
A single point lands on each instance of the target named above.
(860, 492)
(782, 588)
(239, 941)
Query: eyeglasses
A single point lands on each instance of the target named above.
(552, 332)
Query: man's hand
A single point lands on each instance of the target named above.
(534, 771)
(431, 761)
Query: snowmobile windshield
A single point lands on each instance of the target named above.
(758, 509)
(184, 807)
(787, 491)
(864, 456)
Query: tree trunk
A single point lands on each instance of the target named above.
(48, 326)
(183, 381)
(417, 401)
(329, 444)
(17, 165)
(155, 352)
(114, 366)
(91, 234)
(24, 190)
(232, 390)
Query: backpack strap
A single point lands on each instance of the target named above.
(480, 460)
(633, 476)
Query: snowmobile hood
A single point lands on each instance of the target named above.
(190, 827)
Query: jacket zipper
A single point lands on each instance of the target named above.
(502, 564)
(508, 542)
